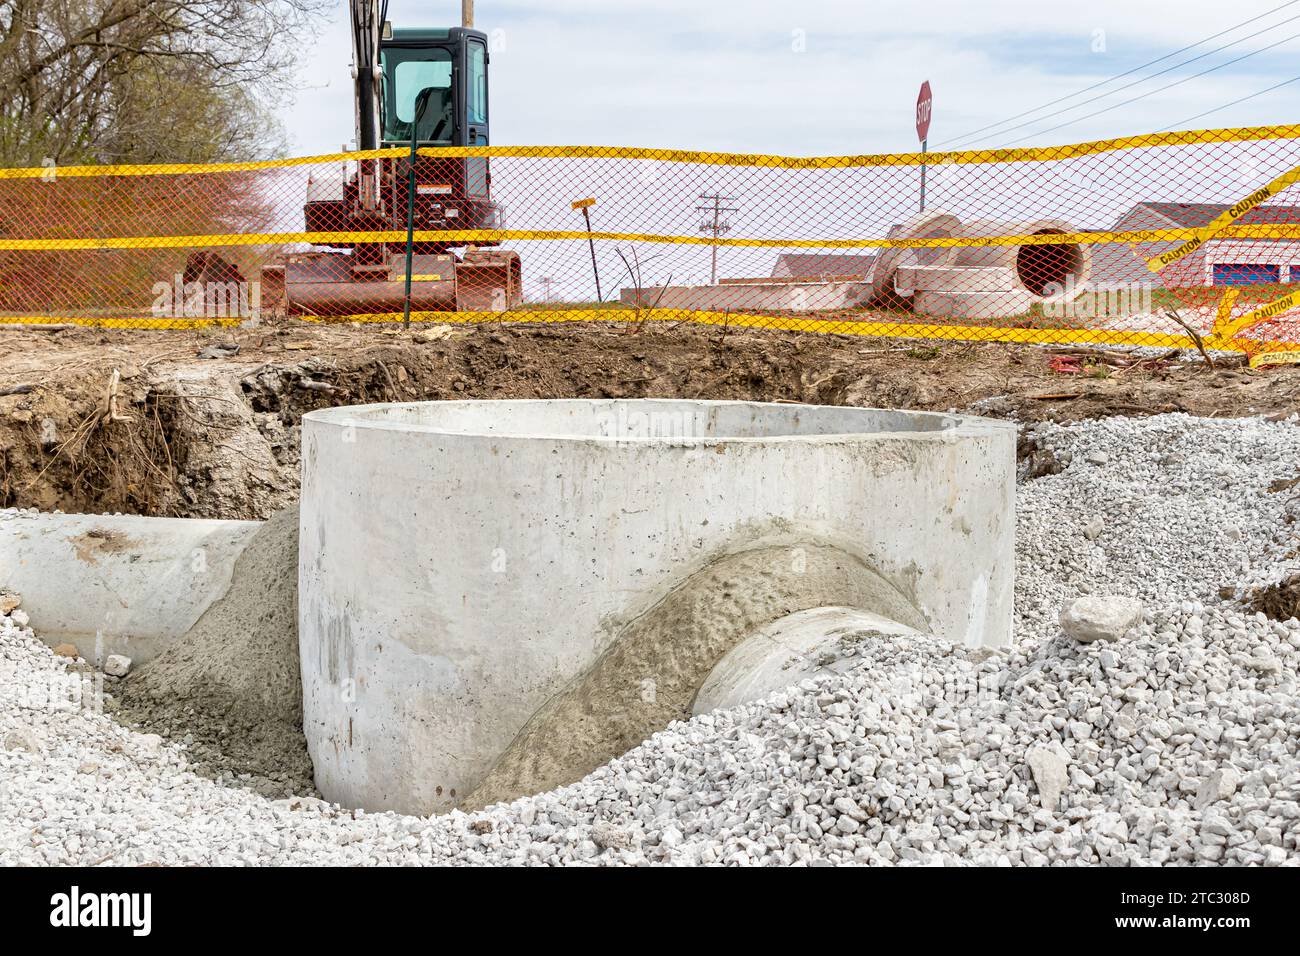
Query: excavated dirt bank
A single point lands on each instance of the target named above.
(175, 434)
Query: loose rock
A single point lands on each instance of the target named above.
(1100, 617)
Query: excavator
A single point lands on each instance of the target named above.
(413, 87)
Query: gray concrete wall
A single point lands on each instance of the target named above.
(462, 562)
(115, 584)
(781, 296)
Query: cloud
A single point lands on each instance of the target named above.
(836, 76)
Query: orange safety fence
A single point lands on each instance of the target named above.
(1170, 240)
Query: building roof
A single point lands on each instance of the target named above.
(1195, 215)
(809, 265)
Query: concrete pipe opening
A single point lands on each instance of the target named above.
(1047, 271)
(496, 598)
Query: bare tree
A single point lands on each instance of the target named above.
(146, 80)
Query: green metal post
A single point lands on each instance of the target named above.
(410, 226)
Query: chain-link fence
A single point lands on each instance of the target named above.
(1168, 240)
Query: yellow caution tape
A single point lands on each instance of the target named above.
(55, 173)
(726, 319)
(1262, 314)
(1225, 219)
(144, 322)
(1275, 358)
(958, 158)
(962, 157)
(1219, 331)
(1263, 231)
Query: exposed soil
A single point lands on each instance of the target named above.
(1280, 601)
(136, 422)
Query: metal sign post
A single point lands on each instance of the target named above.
(924, 108)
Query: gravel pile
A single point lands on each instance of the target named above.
(1163, 508)
(1175, 743)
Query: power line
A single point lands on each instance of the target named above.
(1119, 76)
(1142, 96)
(1138, 82)
(1243, 99)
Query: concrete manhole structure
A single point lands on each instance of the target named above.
(495, 598)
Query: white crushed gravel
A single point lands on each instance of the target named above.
(1176, 744)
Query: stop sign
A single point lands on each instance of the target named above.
(924, 101)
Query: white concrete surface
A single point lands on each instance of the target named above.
(911, 278)
(973, 305)
(463, 562)
(777, 295)
(802, 645)
(117, 584)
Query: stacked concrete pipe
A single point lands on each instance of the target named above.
(497, 597)
(996, 281)
(927, 225)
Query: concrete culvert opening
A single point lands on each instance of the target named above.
(498, 597)
(656, 666)
(1048, 270)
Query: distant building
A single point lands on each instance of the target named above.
(1217, 262)
(815, 266)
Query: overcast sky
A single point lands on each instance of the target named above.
(806, 77)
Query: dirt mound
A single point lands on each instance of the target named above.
(230, 689)
(176, 434)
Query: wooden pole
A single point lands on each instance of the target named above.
(467, 13)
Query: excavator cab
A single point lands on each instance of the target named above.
(435, 87)
(442, 74)
(430, 85)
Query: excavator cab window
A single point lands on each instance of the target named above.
(418, 84)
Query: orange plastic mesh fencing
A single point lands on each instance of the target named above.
(1167, 240)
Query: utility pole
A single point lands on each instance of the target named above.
(715, 226)
(546, 287)
(467, 13)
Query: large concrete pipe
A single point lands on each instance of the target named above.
(140, 583)
(926, 225)
(799, 646)
(498, 597)
(1046, 272)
